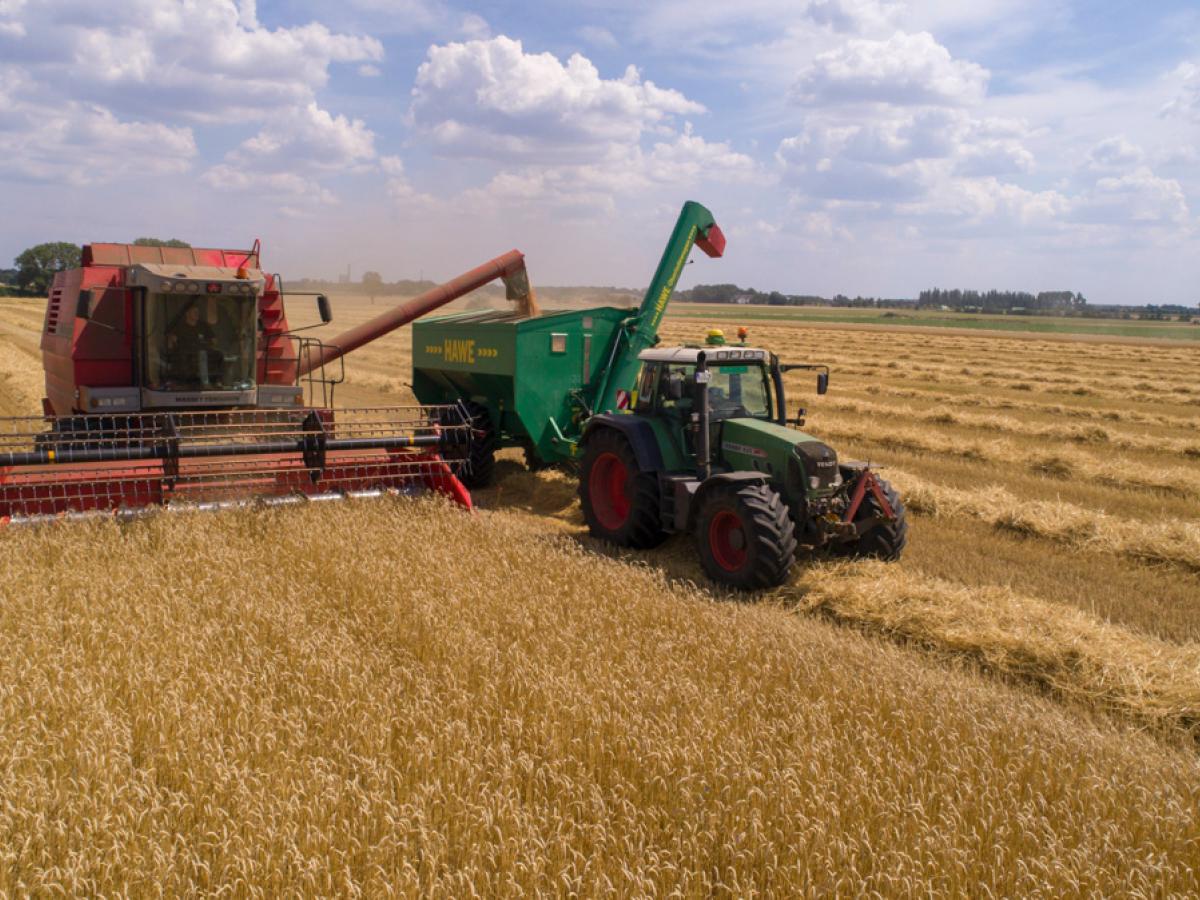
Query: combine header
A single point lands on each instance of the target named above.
(172, 377)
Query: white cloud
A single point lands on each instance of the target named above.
(989, 202)
(1114, 153)
(853, 15)
(208, 61)
(491, 99)
(82, 144)
(298, 188)
(1137, 198)
(689, 159)
(117, 88)
(1186, 103)
(475, 27)
(366, 70)
(293, 150)
(898, 154)
(905, 69)
(598, 37)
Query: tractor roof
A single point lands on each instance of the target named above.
(715, 355)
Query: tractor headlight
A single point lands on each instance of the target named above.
(192, 287)
(814, 482)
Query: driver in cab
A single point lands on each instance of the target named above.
(190, 344)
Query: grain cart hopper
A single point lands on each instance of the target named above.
(172, 376)
(685, 439)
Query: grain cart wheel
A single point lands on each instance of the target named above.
(481, 460)
(886, 540)
(745, 536)
(620, 502)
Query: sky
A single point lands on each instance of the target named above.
(873, 147)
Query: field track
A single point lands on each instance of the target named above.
(439, 703)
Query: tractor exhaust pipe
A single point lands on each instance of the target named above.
(510, 267)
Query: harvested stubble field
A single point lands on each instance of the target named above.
(392, 696)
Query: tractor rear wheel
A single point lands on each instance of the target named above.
(481, 458)
(887, 539)
(620, 502)
(745, 536)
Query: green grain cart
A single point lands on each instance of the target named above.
(666, 440)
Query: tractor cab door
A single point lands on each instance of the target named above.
(666, 396)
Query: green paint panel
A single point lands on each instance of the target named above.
(531, 373)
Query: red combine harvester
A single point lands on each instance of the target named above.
(172, 377)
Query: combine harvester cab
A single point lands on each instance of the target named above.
(172, 377)
(692, 439)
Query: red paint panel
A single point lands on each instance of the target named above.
(712, 243)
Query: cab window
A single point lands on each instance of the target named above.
(739, 392)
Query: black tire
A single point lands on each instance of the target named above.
(480, 466)
(620, 502)
(745, 537)
(886, 540)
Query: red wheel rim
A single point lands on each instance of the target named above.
(606, 485)
(727, 540)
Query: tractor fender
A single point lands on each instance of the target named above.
(696, 501)
(639, 434)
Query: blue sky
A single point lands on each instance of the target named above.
(862, 146)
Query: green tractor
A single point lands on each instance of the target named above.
(666, 440)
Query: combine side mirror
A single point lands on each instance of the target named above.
(83, 307)
(323, 309)
(822, 382)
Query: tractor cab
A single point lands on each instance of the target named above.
(743, 382)
(740, 383)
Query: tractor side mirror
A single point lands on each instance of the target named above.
(323, 309)
(83, 307)
(675, 386)
(822, 382)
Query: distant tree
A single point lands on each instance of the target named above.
(8, 276)
(158, 242)
(37, 265)
(372, 280)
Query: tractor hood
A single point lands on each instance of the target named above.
(755, 445)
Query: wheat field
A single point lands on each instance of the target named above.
(395, 698)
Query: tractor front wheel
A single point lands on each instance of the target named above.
(620, 502)
(745, 536)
